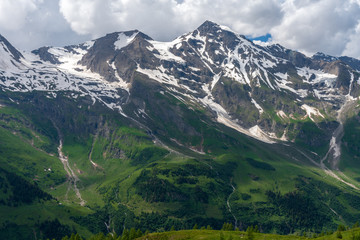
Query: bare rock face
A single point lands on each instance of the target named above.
(16, 55)
(44, 55)
(112, 61)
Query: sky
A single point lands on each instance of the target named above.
(309, 26)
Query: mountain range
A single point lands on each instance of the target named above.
(125, 131)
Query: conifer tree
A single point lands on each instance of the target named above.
(341, 228)
(356, 225)
(125, 235)
(250, 233)
(227, 227)
(99, 236)
(132, 234)
(139, 233)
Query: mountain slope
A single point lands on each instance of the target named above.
(205, 129)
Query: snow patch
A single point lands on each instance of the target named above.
(257, 106)
(311, 111)
(283, 137)
(226, 28)
(281, 79)
(89, 44)
(313, 76)
(7, 61)
(159, 75)
(282, 76)
(123, 40)
(122, 84)
(69, 62)
(213, 105)
(164, 50)
(260, 134)
(281, 114)
(216, 78)
(194, 69)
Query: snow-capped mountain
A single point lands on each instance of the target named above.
(207, 128)
(256, 90)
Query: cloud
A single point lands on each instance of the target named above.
(29, 24)
(330, 26)
(352, 46)
(321, 25)
(98, 17)
(248, 17)
(166, 19)
(13, 14)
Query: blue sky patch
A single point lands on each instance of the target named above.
(263, 38)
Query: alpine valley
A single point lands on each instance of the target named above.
(128, 132)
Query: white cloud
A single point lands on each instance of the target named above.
(13, 14)
(29, 24)
(306, 25)
(166, 19)
(248, 17)
(330, 26)
(98, 17)
(352, 46)
(321, 25)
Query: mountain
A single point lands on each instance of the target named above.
(125, 131)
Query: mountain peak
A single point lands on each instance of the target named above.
(10, 49)
(324, 57)
(208, 26)
(135, 33)
(212, 28)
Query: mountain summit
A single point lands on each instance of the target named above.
(8, 54)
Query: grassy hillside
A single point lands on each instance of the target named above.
(350, 234)
(128, 177)
(219, 235)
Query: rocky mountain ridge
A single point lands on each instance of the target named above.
(259, 91)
